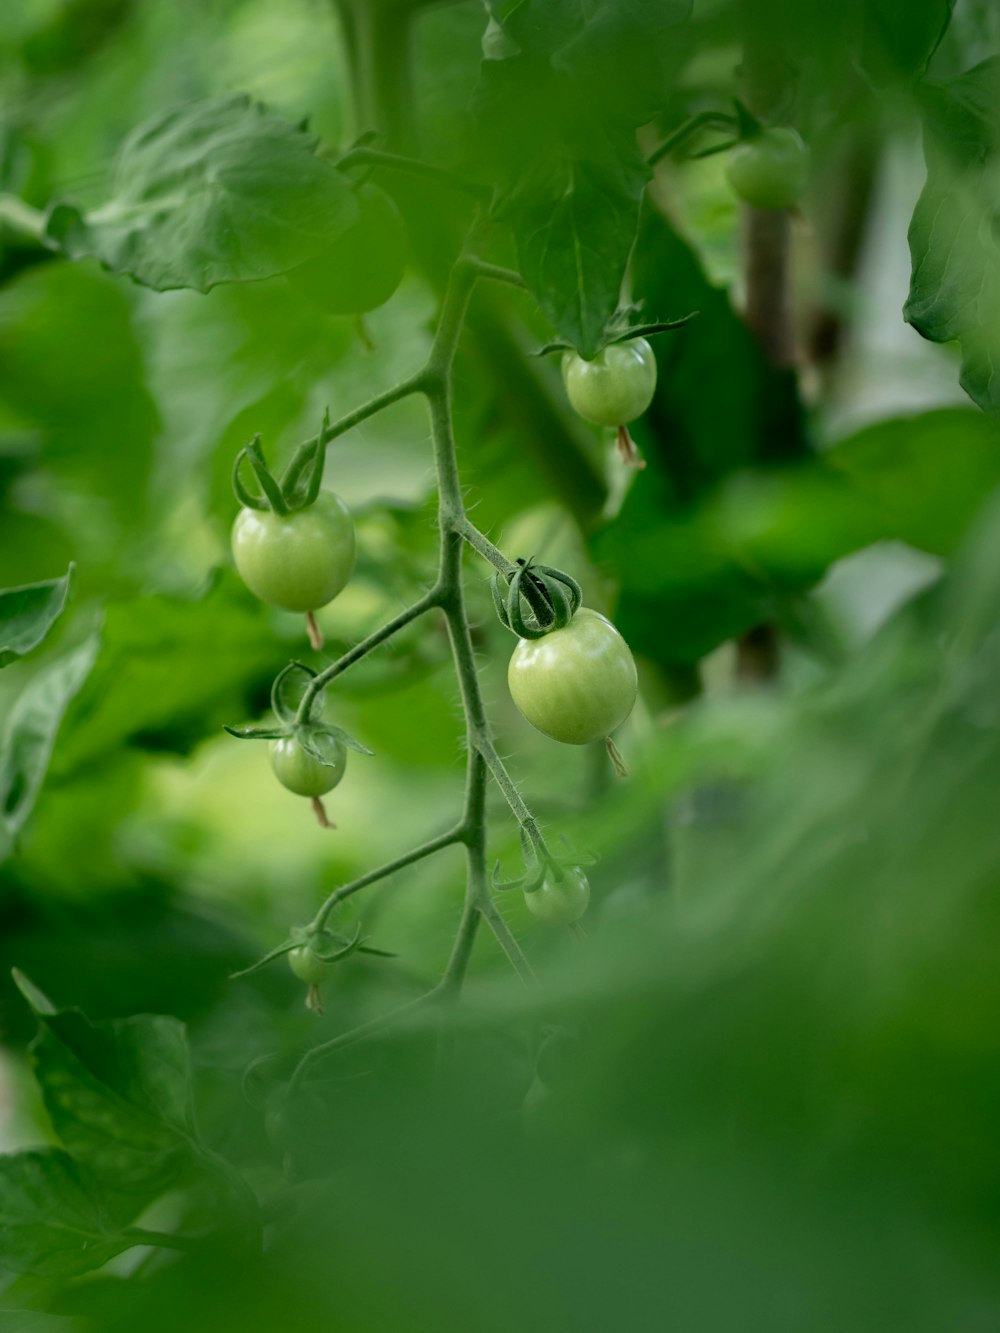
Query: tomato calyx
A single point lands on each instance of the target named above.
(304, 747)
(313, 952)
(534, 599)
(618, 330)
(297, 489)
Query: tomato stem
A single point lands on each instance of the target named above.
(314, 631)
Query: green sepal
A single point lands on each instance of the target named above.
(650, 330)
(304, 477)
(286, 947)
(618, 330)
(271, 489)
(316, 739)
(288, 689)
(345, 946)
(246, 499)
(552, 597)
(257, 733)
(499, 588)
(747, 124)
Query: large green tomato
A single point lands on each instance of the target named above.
(364, 266)
(298, 561)
(301, 772)
(771, 170)
(575, 684)
(614, 388)
(560, 902)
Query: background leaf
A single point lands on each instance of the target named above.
(29, 734)
(51, 1223)
(216, 191)
(955, 280)
(27, 614)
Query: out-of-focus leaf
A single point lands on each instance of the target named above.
(51, 1223)
(574, 224)
(72, 370)
(171, 671)
(33, 1321)
(118, 1095)
(928, 474)
(215, 191)
(955, 280)
(900, 36)
(556, 116)
(27, 614)
(29, 734)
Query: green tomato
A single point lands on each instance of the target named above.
(614, 388)
(560, 902)
(301, 772)
(298, 561)
(771, 170)
(309, 967)
(575, 684)
(364, 266)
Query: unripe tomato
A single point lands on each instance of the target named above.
(298, 561)
(364, 266)
(560, 902)
(614, 388)
(309, 967)
(299, 771)
(771, 170)
(575, 684)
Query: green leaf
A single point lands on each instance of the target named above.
(27, 614)
(29, 735)
(556, 120)
(118, 1095)
(171, 671)
(34, 1321)
(929, 475)
(899, 37)
(210, 192)
(51, 1222)
(955, 280)
(574, 224)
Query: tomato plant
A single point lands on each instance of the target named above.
(771, 169)
(547, 175)
(363, 268)
(615, 386)
(301, 772)
(575, 684)
(298, 561)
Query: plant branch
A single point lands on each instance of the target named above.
(413, 166)
(480, 543)
(383, 872)
(716, 119)
(362, 649)
(524, 817)
(302, 457)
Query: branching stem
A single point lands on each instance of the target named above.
(455, 530)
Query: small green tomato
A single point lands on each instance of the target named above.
(616, 386)
(298, 561)
(575, 684)
(771, 170)
(309, 967)
(560, 902)
(299, 771)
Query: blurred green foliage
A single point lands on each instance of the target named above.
(761, 1090)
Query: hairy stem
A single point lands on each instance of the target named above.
(383, 872)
